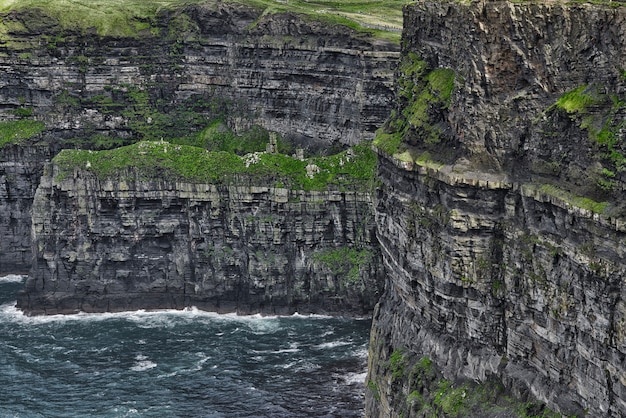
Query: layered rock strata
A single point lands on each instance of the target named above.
(114, 245)
(502, 231)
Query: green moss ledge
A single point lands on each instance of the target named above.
(353, 169)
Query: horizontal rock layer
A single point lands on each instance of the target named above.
(126, 244)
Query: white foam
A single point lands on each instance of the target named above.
(286, 350)
(257, 323)
(13, 278)
(288, 365)
(307, 366)
(200, 363)
(332, 344)
(149, 319)
(355, 378)
(312, 316)
(142, 363)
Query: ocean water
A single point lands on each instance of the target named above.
(178, 364)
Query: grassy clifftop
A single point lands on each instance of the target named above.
(353, 169)
(128, 18)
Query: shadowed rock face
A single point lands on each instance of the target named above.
(119, 245)
(20, 171)
(501, 262)
(317, 85)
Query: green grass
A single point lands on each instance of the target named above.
(352, 170)
(577, 100)
(427, 393)
(217, 136)
(344, 261)
(599, 114)
(15, 132)
(397, 364)
(574, 200)
(152, 160)
(130, 18)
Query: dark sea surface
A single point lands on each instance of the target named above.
(178, 364)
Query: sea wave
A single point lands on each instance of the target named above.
(13, 278)
(332, 344)
(151, 318)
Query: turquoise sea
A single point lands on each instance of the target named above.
(178, 364)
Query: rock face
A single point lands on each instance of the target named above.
(127, 244)
(502, 231)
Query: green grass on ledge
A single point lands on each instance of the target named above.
(349, 170)
(14, 132)
(126, 18)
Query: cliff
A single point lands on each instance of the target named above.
(128, 241)
(107, 78)
(501, 214)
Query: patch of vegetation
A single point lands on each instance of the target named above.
(14, 132)
(153, 160)
(353, 169)
(602, 116)
(449, 399)
(344, 261)
(217, 136)
(373, 387)
(23, 112)
(577, 100)
(397, 364)
(388, 142)
(197, 121)
(423, 94)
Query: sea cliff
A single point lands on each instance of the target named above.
(499, 218)
(501, 214)
(127, 242)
